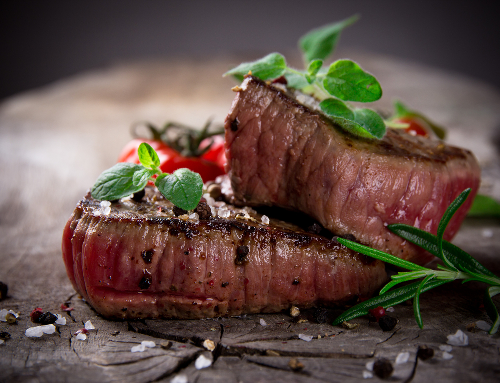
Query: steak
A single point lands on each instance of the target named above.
(139, 260)
(280, 152)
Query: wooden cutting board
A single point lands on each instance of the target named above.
(56, 140)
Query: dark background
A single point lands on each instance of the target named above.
(45, 41)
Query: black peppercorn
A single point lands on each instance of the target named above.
(383, 368)
(4, 335)
(47, 318)
(425, 352)
(387, 323)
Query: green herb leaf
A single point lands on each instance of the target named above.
(117, 182)
(313, 69)
(379, 255)
(429, 242)
(388, 299)
(296, 80)
(346, 80)
(148, 156)
(321, 42)
(491, 309)
(333, 107)
(183, 188)
(484, 206)
(269, 67)
(416, 301)
(141, 177)
(443, 223)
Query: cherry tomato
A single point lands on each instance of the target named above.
(418, 127)
(171, 160)
(217, 152)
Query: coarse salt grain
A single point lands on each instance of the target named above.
(390, 309)
(307, 338)
(142, 347)
(265, 220)
(38, 331)
(367, 375)
(445, 347)
(179, 379)
(89, 325)
(61, 321)
(482, 325)
(2, 341)
(369, 366)
(263, 322)
(458, 339)
(81, 336)
(223, 213)
(138, 348)
(105, 207)
(447, 356)
(202, 362)
(402, 357)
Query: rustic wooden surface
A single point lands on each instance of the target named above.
(56, 140)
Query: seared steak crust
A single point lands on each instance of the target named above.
(283, 153)
(138, 260)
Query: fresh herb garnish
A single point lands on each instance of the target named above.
(183, 187)
(343, 80)
(457, 265)
(402, 111)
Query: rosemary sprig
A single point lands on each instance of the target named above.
(458, 264)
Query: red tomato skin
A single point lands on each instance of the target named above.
(217, 152)
(171, 160)
(418, 127)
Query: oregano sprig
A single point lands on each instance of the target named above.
(340, 82)
(183, 187)
(458, 264)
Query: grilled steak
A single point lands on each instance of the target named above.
(283, 153)
(137, 260)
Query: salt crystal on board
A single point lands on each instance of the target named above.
(148, 343)
(445, 347)
(179, 379)
(138, 348)
(89, 325)
(81, 336)
(307, 338)
(447, 356)
(458, 339)
(38, 331)
(202, 362)
(61, 321)
(263, 322)
(367, 374)
(482, 325)
(402, 357)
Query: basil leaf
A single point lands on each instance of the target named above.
(380, 255)
(269, 67)
(346, 80)
(321, 42)
(484, 206)
(388, 299)
(148, 156)
(117, 182)
(336, 108)
(429, 242)
(491, 309)
(183, 188)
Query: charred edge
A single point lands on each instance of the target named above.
(146, 281)
(147, 255)
(241, 255)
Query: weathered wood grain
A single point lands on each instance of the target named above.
(55, 141)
